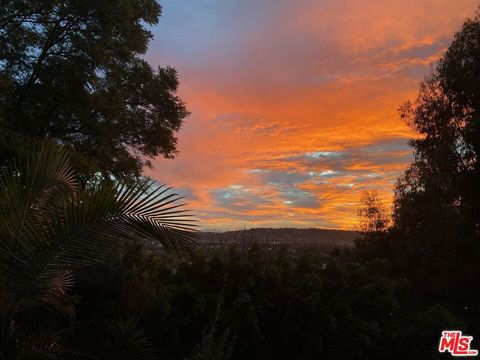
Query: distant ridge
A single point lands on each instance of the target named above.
(326, 239)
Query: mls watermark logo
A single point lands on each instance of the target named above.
(456, 344)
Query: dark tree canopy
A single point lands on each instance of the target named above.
(72, 71)
(437, 205)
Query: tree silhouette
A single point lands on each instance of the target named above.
(438, 199)
(374, 217)
(72, 71)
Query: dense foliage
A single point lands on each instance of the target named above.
(437, 207)
(73, 71)
(50, 231)
(261, 305)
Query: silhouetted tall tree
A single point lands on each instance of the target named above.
(437, 202)
(72, 70)
(374, 217)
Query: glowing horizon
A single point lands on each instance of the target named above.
(294, 103)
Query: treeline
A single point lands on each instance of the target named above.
(264, 305)
(269, 239)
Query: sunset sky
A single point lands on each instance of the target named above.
(294, 102)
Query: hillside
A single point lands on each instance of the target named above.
(326, 239)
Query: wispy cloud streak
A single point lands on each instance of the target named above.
(294, 102)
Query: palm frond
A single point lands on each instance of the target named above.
(26, 188)
(52, 294)
(50, 228)
(115, 340)
(155, 214)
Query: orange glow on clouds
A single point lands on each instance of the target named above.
(294, 103)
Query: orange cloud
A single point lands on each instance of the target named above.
(294, 107)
